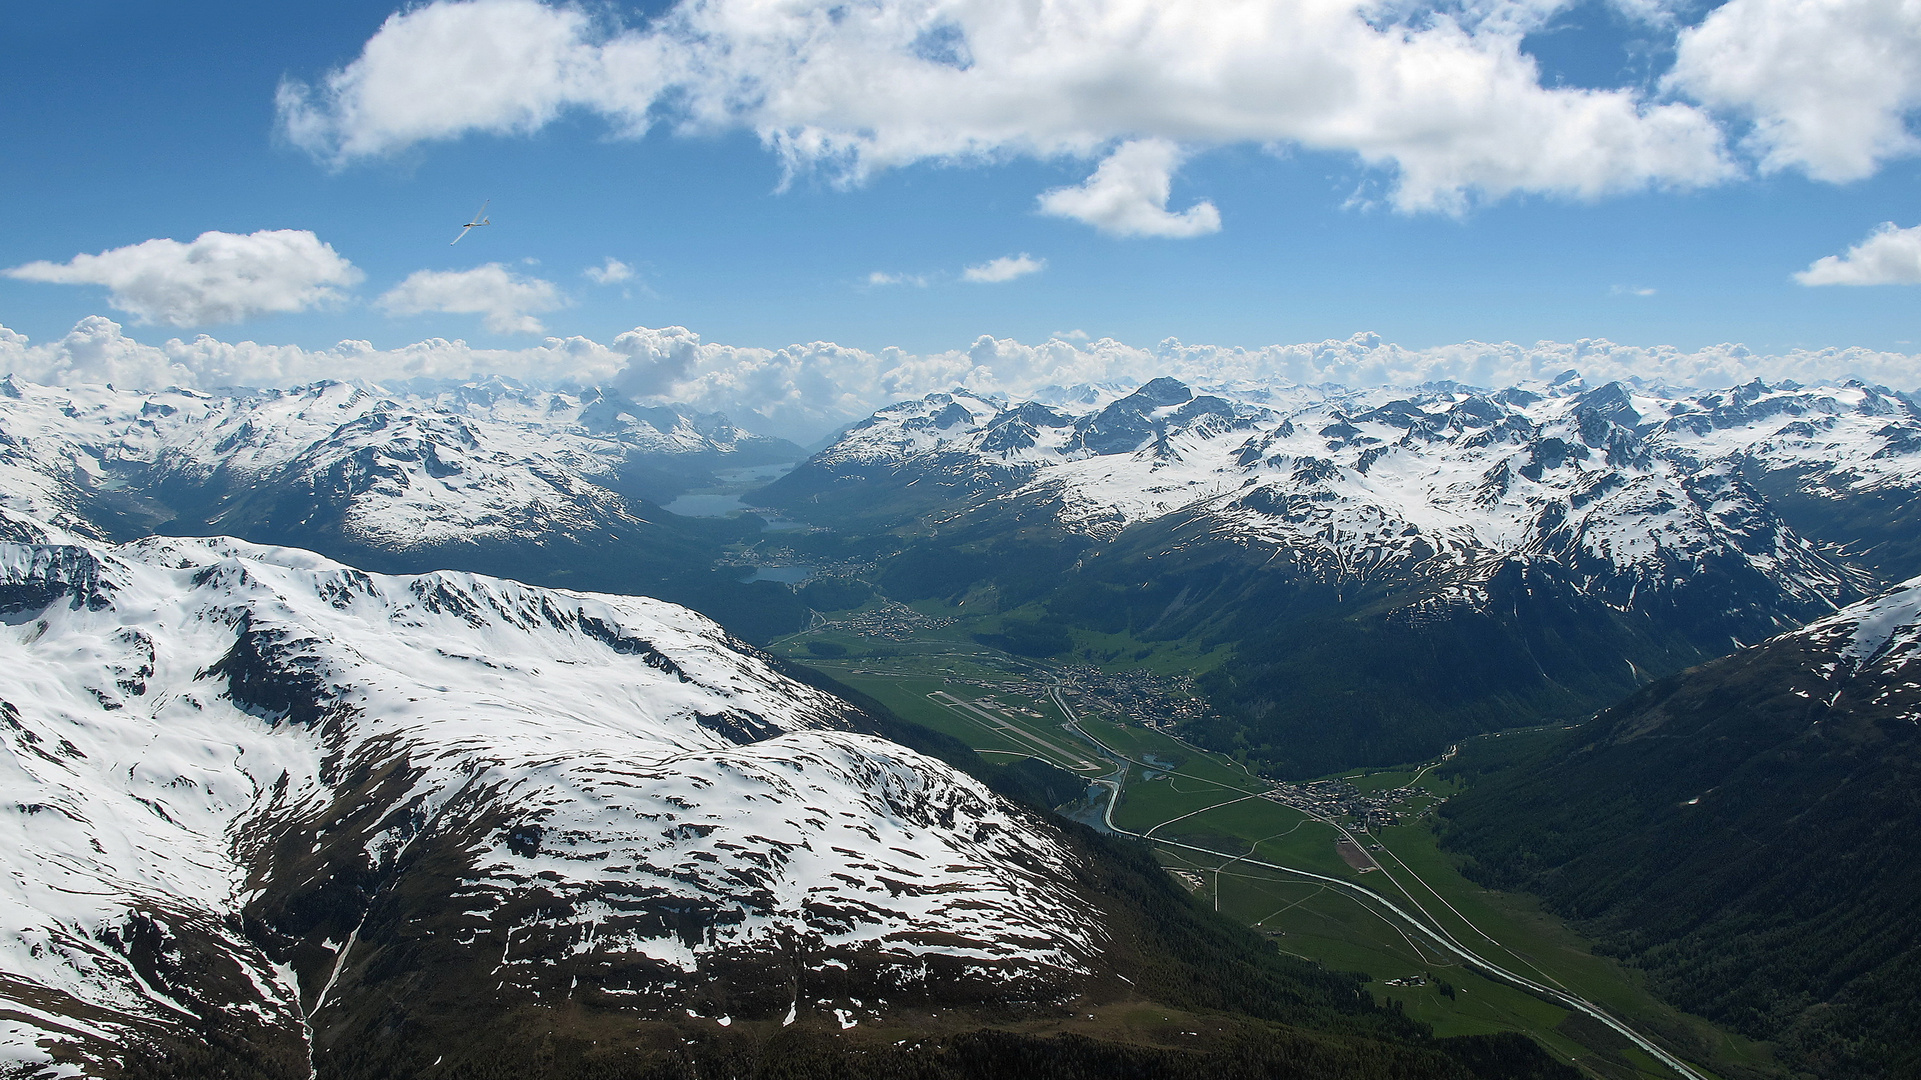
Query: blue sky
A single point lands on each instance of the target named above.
(129, 122)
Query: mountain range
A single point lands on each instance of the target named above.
(275, 816)
(1505, 555)
(555, 488)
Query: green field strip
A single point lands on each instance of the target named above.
(1310, 929)
(900, 696)
(1191, 761)
(1342, 932)
(1048, 744)
(1539, 941)
(1458, 906)
(1379, 780)
(1147, 803)
(1198, 798)
(1337, 930)
(1206, 818)
(1256, 818)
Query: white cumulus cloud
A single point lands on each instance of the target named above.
(611, 272)
(1127, 195)
(1446, 101)
(1889, 256)
(1005, 268)
(1828, 84)
(218, 277)
(501, 66)
(507, 301)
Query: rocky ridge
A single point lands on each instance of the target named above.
(267, 803)
(1633, 488)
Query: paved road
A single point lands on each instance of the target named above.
(1443, 941)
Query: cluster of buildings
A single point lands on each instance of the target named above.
(893, 621)
(1161, 702)
(1338, 798)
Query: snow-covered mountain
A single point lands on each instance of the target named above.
(1630, 487)
(264, 806)
(387, 471)
(554, 488)
(1875, 643)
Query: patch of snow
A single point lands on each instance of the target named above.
(133, 770)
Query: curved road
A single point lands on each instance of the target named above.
(1440, 939)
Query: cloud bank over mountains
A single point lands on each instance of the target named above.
(1442, 97)
(803, 391)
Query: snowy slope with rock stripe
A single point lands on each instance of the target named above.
(244, 781)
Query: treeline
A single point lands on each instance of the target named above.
(1752, 847)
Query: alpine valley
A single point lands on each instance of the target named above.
(1367, 575)
(274, 816)
(1744, 832)
(361, 731)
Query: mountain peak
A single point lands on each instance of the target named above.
(1162, 392)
